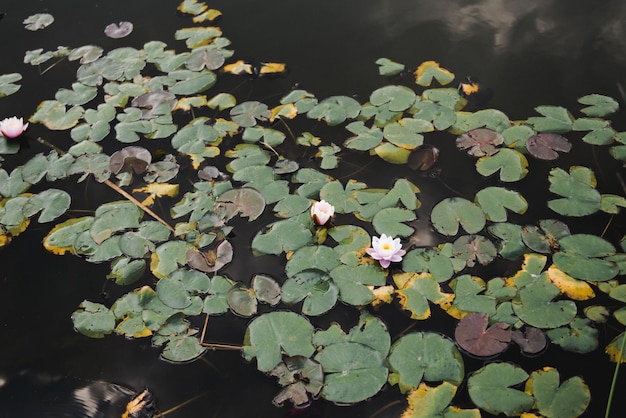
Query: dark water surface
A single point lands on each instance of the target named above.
(530, 53)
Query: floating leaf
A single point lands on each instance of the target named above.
(485, 118)
(391, 221)
(472, 248)
(511, 245)
(468, 299)
(451, 212)
(205, 57)
(536, 308)
(51, 202)
(183, 349)
(130, 159)
(495, 200)
(599, 105)
(93, 319)
(472, 335)
(580, 197)
(282, 236)
(567, 400)
(299, 375)
(116, 31)
(511, 164)
(56, 116)
(38, 21)
(544, 239)
(423, 157)
(386, 67)
(545, 145)
(247, 113)
(532, 340)
(490, 389)
(7, 83)
(428, 402)
(415, 290)
(266, 289)
(154, 103)
(429, 70)
(480, 142)
(246, 201)
(211, 260)
(335, 110)
(268, 335)
(392, 153)
(353, 372)
(424, 355)
(574, 289)
(398, 98)
(555, 119)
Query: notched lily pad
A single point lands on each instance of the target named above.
(480, 142)
(116, 31)
(473, 336)
(130, 159)
(211, 260)
(532, 340)
(545, 145)
(38, 21)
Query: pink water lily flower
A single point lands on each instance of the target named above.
(386, 249)
(12, 127)
(322, 211)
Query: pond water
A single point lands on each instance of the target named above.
(537, 52)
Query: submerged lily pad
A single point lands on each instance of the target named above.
(299, 376)
(130, 159)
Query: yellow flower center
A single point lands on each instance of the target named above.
(386, 246)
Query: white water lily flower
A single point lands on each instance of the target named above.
(12, 127)
(386, 249)
(322, 211)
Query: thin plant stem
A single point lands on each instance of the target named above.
(615, 373)
(606, 227)
(288, 128)
(180, 405)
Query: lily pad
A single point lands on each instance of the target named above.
(388, 67)
(118, 30)
(473, 336)
(511, 164)
(569, 399)
(299, 376)
(429, 70)
(598, 105)
(428, 402)
(130, 159)
(480, 142)
(424, 356)
(268, 335)
(545, 145)
(7, 83)
(451, 212)
(555, 119)
(38, 21)
(536, 308)
(93, 319)
(495, 200)
(211, 260)
(490, 388)
(531, 340)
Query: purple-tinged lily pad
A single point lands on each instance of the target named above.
(480, 142)
(120, 30)
(212, 260)
(129, 159)
(423, 157)
(473, 336)
(532, 340)
(545, 145)
(151, 102)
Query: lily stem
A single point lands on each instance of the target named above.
(615, 373)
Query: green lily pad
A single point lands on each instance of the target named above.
(511, 164)
(268, 335)
(569, 399)
(490, 388)
(388, 67)
(429, 70)
(598, 105)
(391, 221)
(416, 290)
(495, 200)
(555, 119)
(468, 297)
(451, 212)
(51, 202)
(428, 402)
(7, 83)
(424, 356)
(579, 337)
(510, 245)
(54, 115)
(183, 348)
(536, 306)
(335, 110)
(93, 319)
(474, 248)
(364, 138)
(398, 98)
(283, 236)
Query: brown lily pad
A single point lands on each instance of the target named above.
(545, 146)
(480, 142)
(473, 336)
